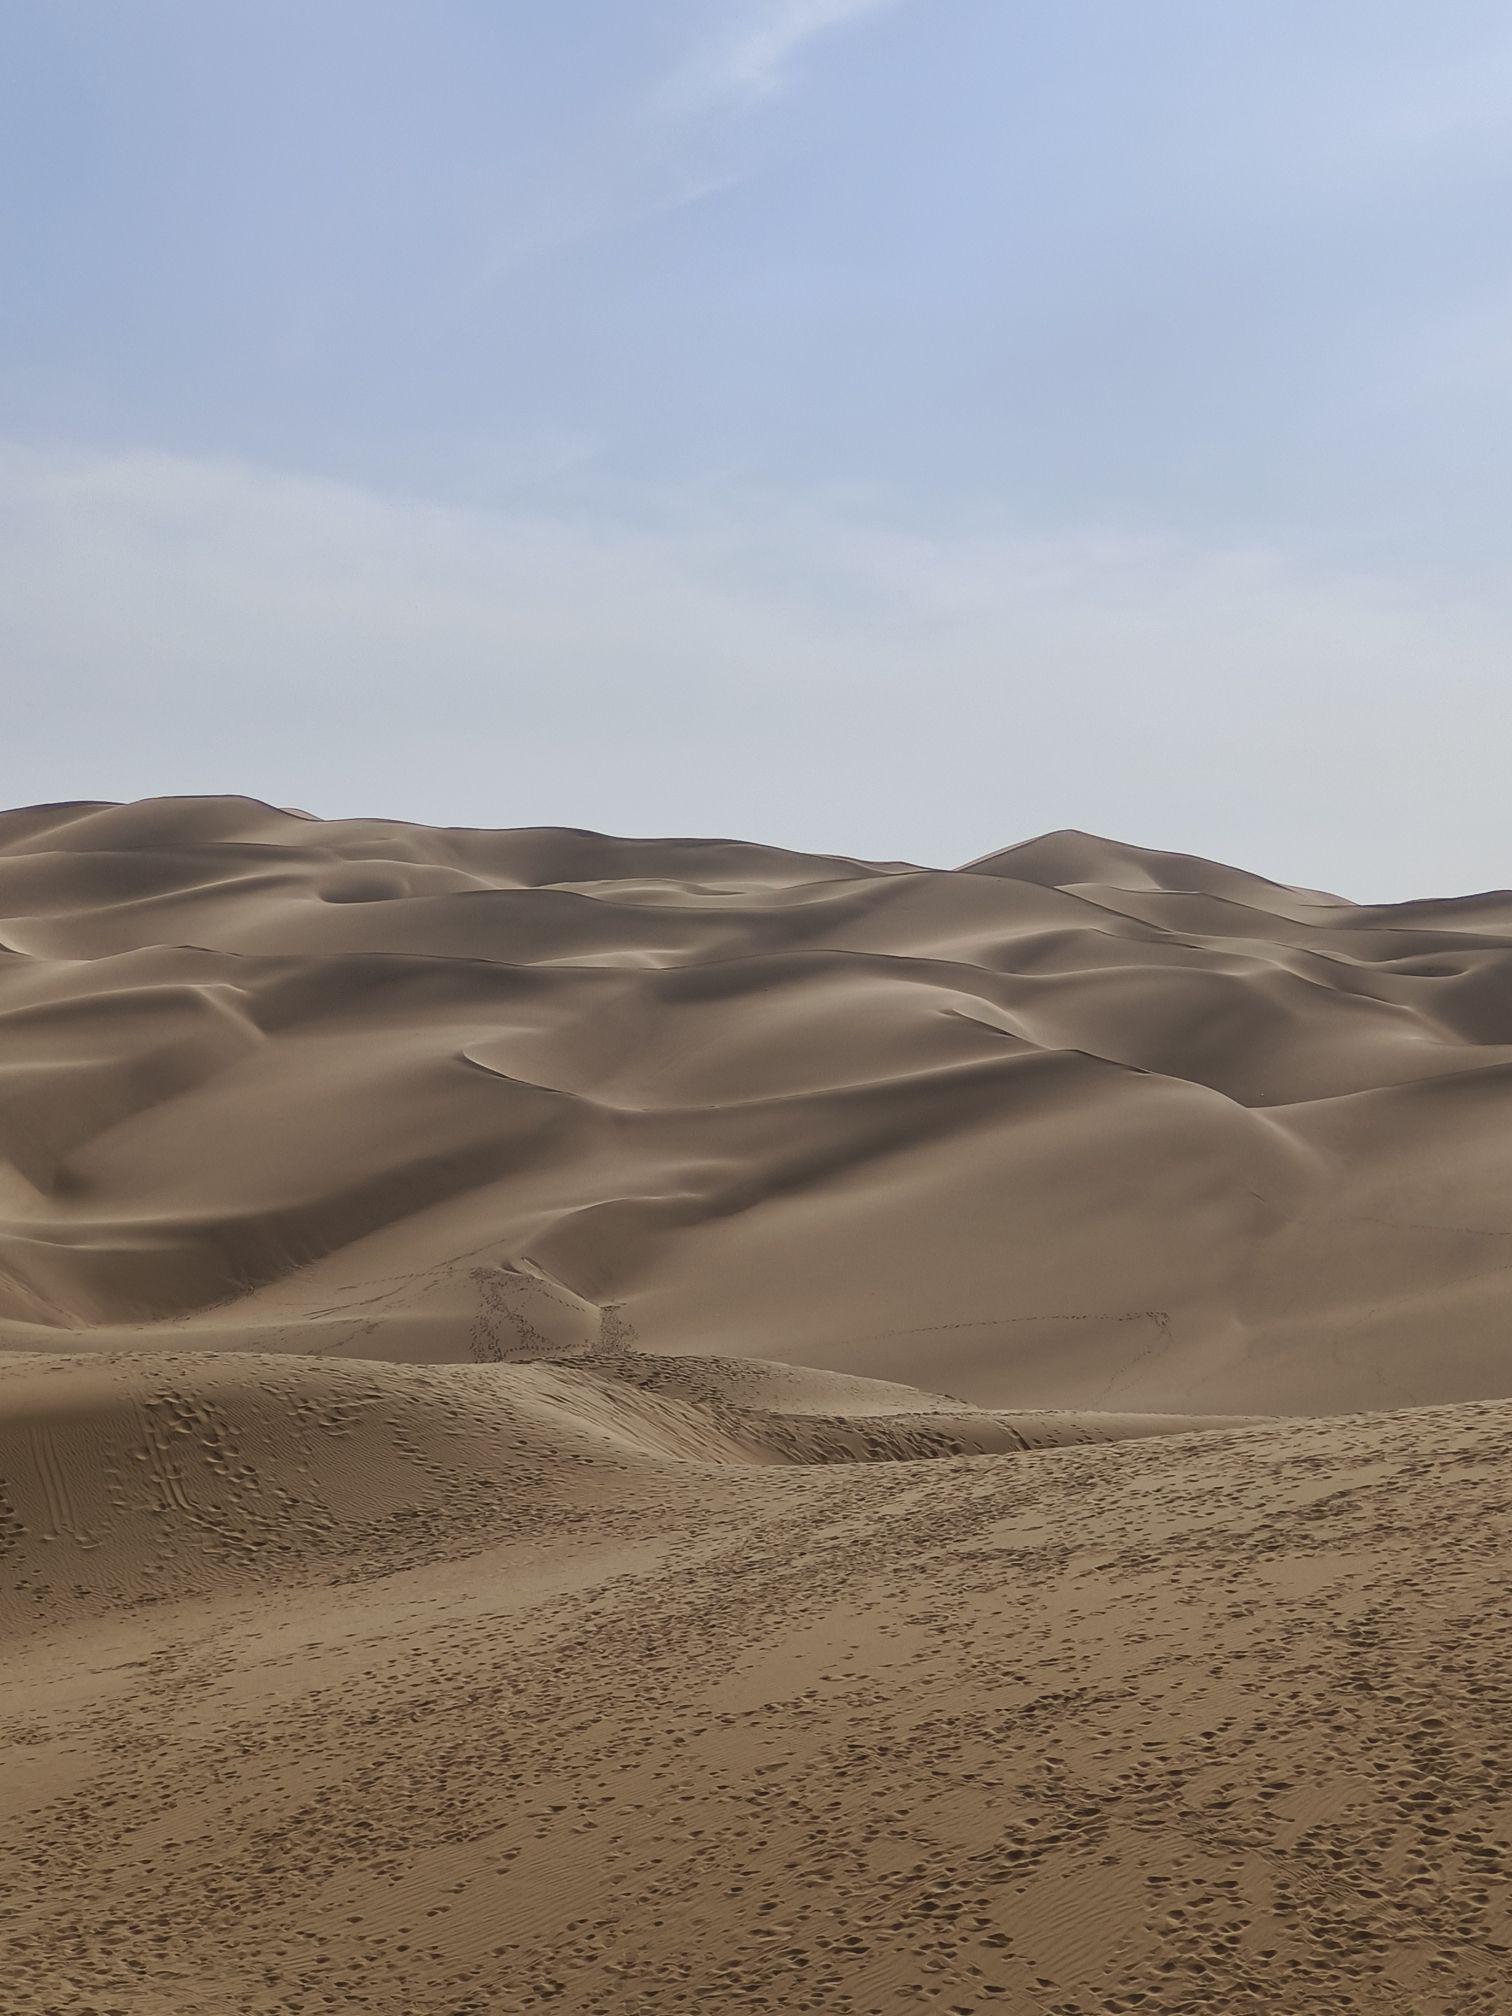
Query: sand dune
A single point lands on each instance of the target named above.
(636, 1426)
(1081, 1125)
(130, 1478)
(501, 1688)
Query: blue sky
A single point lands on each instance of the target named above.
(887, 425)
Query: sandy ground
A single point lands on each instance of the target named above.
(637, 1426)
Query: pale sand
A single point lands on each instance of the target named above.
(635, 1426)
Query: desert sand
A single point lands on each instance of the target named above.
(633, 1426)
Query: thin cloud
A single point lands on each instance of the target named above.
(759, 59)
(660, 162)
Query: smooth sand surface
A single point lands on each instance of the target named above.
(640, 1426)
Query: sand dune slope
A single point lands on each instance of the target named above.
(1192, 1723)
(1078, 1126)
(128, 1479)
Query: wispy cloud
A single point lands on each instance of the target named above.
(757, 58)
(664, 156)
(794, 667)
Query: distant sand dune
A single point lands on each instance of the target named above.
(1079, 1126)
